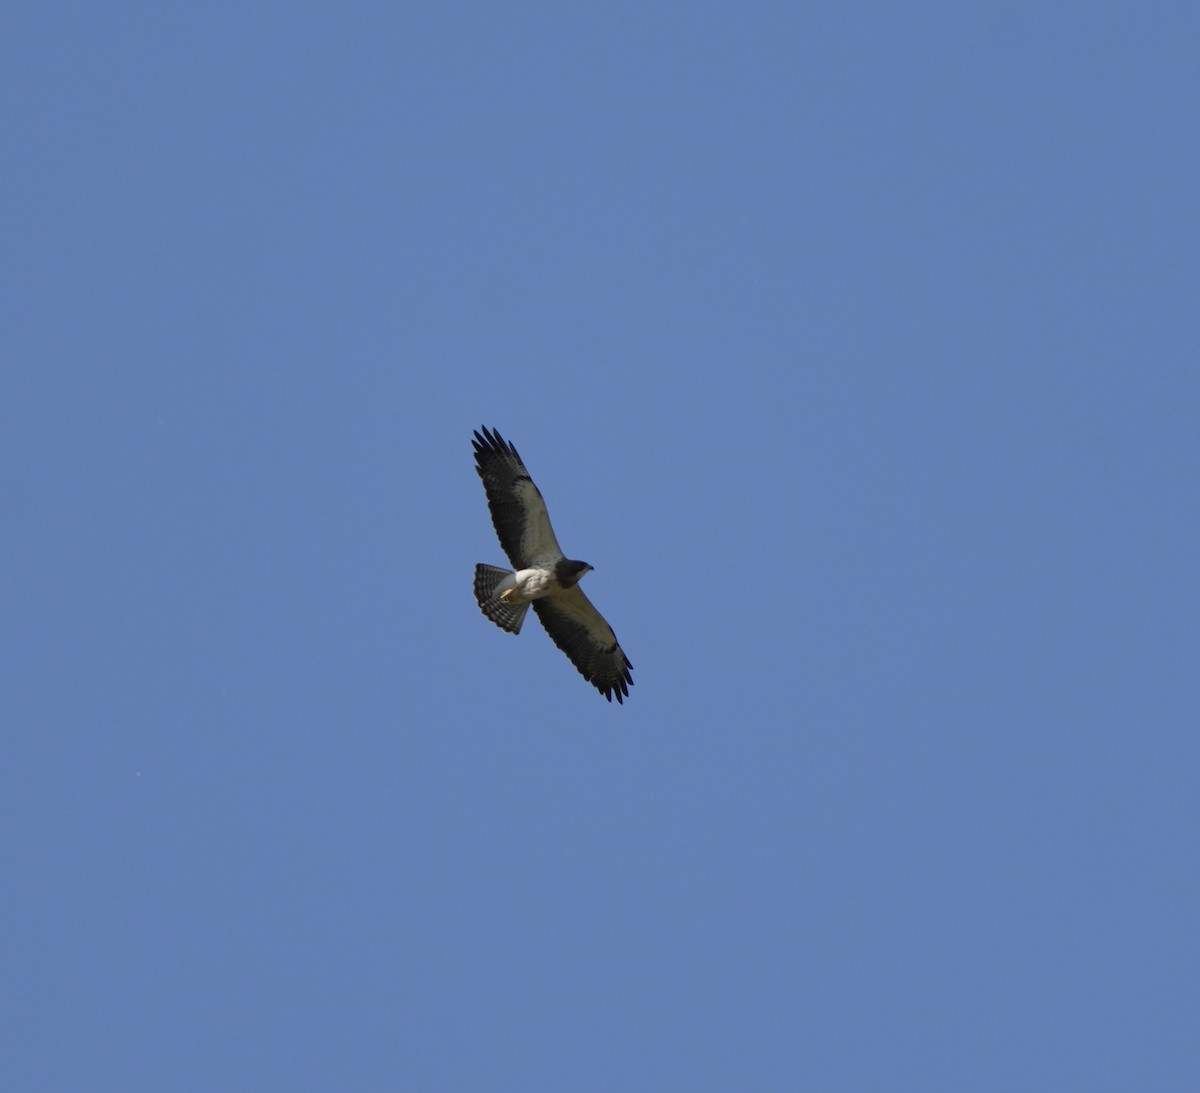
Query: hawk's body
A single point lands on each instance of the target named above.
(543, 576)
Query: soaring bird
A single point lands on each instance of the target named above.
(542, 575)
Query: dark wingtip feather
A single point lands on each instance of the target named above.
(491, 441)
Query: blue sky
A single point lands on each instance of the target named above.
(854, 345)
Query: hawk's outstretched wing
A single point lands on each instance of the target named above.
(518, 511)
(580, 631)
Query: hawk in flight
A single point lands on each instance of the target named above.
(544, 577)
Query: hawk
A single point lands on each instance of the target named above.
(544, 576)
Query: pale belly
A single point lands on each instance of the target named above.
(526, 585)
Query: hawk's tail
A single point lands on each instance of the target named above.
(507, 616)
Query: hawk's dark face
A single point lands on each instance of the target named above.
(568, 572)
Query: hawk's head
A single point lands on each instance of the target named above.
(568, 572)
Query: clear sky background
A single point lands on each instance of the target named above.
(855, 346)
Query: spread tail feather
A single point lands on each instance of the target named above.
(507, 616)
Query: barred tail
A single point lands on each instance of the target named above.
(507, 616)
